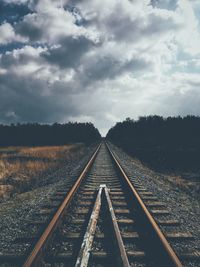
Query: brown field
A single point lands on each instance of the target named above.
(20, 167)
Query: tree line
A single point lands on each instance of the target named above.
(163, 143)
(35, 134)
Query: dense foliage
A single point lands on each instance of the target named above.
(172, 143)
(45, 134)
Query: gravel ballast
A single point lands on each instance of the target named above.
(182, 206)
(16, 213)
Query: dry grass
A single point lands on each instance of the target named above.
(6, 191)
(192, 187)
(19, 166)
(48, 152)
(23, 169)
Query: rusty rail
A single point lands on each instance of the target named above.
(173, 258)
(122, 256)
(84, 254)
(39, 248)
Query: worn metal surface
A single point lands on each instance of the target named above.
(119, 243)
(83, 257)
(85, 251)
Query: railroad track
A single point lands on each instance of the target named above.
(106, 219)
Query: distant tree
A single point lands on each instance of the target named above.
(172, 142)
(34, 134)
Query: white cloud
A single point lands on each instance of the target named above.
(124, 58)
(7, 34)
(189, 37)
(18, 2)
(51, 23)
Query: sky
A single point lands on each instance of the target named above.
(98, 61)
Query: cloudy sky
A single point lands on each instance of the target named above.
(98, 61)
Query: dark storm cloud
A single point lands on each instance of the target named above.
(69, 53)
(101, 68)
(26, 29)
(23, 99)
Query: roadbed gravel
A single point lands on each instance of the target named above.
(16, 212)
(183, 206)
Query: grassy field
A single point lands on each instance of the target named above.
(22, 167)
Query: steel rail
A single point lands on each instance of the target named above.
(163, 241)
(84, 254)
(38, 249)
(119, 242)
